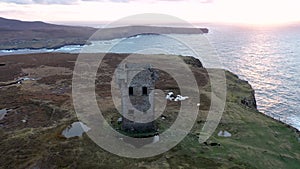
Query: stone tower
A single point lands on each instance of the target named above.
(136, 82)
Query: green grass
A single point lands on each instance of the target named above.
(257, 141)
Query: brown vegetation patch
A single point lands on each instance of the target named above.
(46, 71)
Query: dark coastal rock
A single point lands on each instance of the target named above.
(192, 61)
(212, 144)
(249, 102)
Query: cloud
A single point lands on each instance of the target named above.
(207, 1)
(9, 12)
(69, 2)
(109, 0)
(201, 1)
(65, 2)
(54, 1)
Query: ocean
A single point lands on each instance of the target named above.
(268, 58)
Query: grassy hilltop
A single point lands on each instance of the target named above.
(40, 109)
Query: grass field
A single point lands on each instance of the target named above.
(257, 141)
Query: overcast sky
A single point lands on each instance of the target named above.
(228, 11)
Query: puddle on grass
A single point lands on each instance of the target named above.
(224, 134)
(75, 129)
(21, 79)
(155, 139)
(3, 112)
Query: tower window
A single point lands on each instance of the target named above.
(145, 91)
(130, 91)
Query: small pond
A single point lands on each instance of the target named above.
(75, 129)
(3, 112)
(224, 134)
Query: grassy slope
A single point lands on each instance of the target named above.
(17, 34)
(257, 141)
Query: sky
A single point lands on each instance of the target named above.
(255, 12)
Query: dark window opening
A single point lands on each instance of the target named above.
(130, 91)
(145, 91)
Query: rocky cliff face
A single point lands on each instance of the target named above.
(39, 110)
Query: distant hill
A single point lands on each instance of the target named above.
(11, 24)
(16, 34)
(129, 31)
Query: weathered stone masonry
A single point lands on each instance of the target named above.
(136, 83)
